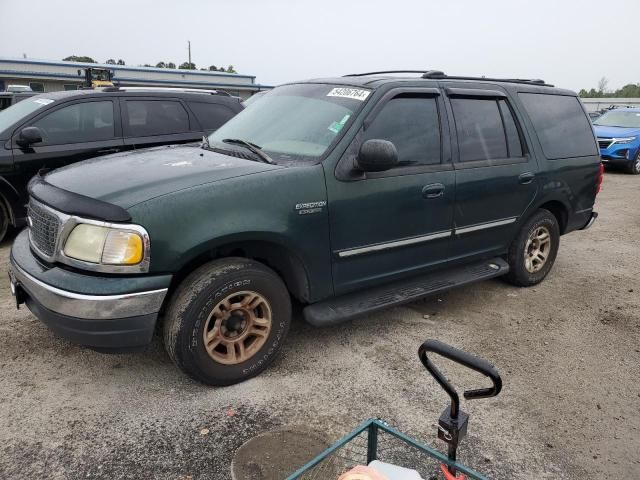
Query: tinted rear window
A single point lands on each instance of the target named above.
(211, 115)
(561, 124)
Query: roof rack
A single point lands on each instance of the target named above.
(439, 75)
(166, 89)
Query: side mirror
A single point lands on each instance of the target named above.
(377, 156)
(28, 136)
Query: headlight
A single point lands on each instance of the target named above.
(624, 140)
(104, 245)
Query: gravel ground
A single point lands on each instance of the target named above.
(568, 350)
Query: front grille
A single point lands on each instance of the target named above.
(43, 228)
(604, 142)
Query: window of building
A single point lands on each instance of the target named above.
(70, 86)
(37, 86)
(81, 122)
(412, 124)
(155, 117)
(561, 125)
(211, 115)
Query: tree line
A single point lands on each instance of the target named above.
(631, 90)
(161, 64)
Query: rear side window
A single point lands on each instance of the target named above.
(413, 126)
(561, 124)
(211, 115)
(145, 118)
(480, 132)
(81, 122)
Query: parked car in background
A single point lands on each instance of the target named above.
(347, 194)
(8, 98)
(55, 129)
(618, 133)
(18, 88)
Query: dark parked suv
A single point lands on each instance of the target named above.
(55, 129)
(346, 194)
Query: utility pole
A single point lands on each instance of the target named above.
(189, 42)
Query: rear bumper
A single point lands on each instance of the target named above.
(591, 221)
(112, 320)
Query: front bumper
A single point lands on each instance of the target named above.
(619, 154)
(103, 317)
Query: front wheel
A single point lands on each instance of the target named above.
(534, 250)
(227, 321)
(634, 167)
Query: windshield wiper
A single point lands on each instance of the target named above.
(252, 147)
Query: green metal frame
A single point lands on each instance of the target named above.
(373, 426)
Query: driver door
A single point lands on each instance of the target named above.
(397, 223)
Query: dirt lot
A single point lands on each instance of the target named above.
(569, 352)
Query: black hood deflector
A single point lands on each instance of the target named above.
(75, 204)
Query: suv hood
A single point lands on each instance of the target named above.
(126, 179)
(611, 132)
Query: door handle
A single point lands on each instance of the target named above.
(433, 190)
(526, 178)
(109, 150)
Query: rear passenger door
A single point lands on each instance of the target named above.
(148, 121)
(495, 175)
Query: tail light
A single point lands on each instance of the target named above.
(600, 178)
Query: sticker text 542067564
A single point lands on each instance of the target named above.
(346, 92)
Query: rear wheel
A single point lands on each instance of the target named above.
(227, 321)
(634, 167)
(534, 250)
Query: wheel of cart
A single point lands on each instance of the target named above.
(375, 450)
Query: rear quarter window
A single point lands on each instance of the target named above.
(211, 115)
(561, 125)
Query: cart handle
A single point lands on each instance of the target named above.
(465, 359)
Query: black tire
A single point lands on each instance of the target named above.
(4, 220)
(634, 167)
(519, 273)
(193, 304)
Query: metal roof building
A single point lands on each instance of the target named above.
(48, 76)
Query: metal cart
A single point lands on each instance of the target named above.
(376, 440)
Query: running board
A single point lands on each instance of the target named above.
(351, 305)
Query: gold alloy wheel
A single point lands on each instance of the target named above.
(536, 250)
(237, 327)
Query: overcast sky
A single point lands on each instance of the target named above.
(568, 43)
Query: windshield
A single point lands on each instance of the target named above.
(294, 122)
(15, 112)
(617, 118)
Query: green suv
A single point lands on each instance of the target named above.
(346, 195)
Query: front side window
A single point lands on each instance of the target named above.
(412, 124)
(144, 118)
(81, 122)
(294, 122)
(562, 125)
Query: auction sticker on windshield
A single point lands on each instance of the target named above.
(353, 93)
